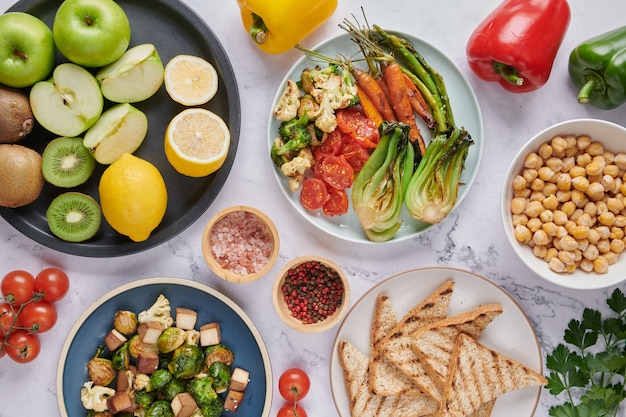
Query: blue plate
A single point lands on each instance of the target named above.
(238, 332)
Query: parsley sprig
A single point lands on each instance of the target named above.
(591, 367)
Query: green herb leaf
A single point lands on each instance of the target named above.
(564, 410)
(617, 302)
(578, 333)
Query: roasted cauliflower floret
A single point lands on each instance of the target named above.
(295, 168)
(289, 102)
(160, 312)
(94, 397)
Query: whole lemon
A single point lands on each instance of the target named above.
(133, 197)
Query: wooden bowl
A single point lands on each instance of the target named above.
(284, 311)
(227, 231)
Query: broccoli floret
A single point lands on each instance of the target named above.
(218, 353)
(289, 102)
(174, 387)
(160, 312)
(202, 391)
(94, 397)
(295, 134)
(214, 408)
(160, 379)
(221, 373)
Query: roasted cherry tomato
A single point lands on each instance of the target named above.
(355, 154)
(294, 384)
(7, 316)
(337, 203)
(22, 346)
(39, 316)
(337, 172)
(314, 193)
(291, 410)
(20, 285)
(361, 128)
(53, 282)
(330, 145)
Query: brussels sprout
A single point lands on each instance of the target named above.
(101, 370)
(201, 389)
(143, 398)
(121, 357)
(136, 346)
(220, 372)
(214, 408)
(125, 322)
(218, 353)
(160, 379)
(170, 339)
(159, 408)
(186, 362)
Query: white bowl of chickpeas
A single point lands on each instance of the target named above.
(563, 204)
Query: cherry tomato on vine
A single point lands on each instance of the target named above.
(294, 384)
(40, 316)
(22, 347)
(3, 351)
(7, 315)
(53, 282)
(291, 410)
(20, 284)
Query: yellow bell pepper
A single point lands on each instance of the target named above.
(278, 25)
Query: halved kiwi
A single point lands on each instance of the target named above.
(74, 216)
(66, 162)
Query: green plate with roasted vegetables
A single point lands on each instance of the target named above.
(356, 223)
(92, 343)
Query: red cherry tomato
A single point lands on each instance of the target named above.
(361, 128)
(313, 194)
(7, 315)
(337, 172)
(330, 145)
(291, 410)
(294, 384)
(355, 154)
(40, 316)
(53, 282)
(337, 203)
(3, 351)
(22, 347)
(19, 284)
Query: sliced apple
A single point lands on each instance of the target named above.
(68, 103)
(136, 76)
(121, 129)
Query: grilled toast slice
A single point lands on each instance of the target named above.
(478, 375)
(433, 343)
(365, 404)
(397, 344)
(385, 378)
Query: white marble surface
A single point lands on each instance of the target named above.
(471, 238)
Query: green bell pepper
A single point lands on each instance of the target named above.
(598, 67)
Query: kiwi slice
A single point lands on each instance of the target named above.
(66, 162)
(74, 216)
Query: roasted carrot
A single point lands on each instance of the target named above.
(399, 97)
(419, 104)
(369, 85)
(368, 107)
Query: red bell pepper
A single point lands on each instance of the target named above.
(517, 43)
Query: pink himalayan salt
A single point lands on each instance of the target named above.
(241, 242)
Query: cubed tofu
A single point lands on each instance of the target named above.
(186, 318)
(239, 379)
(124, 380)
(210, 334)
(147, 362)
(121, 402)
(233, 400)
(183, 405)
(150, 332)
(114, 340)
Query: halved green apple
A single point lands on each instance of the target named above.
(68, 103)
(121, 129)
(135, 76)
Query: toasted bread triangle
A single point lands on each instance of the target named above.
(478, 375)
(397, 344)
(433, 343)
(365, 404)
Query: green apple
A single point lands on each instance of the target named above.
(121, 129)
(136, 76)
(26, 49)
(68, 103)
(91, 33)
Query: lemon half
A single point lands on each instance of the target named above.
(197, 142)
(190, 80)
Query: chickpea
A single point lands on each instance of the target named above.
(620, 160)
(594, 168)
(595, 148)
(564, 196)
(595, 192)
(525, 193)
(594, 236)
(529, 174)
(567, 257)
(559, 145)
(537, 184)
(519, 183)
(577, 171)
(591, 252)
(582, 142)
(604, 245)
(612, 170)
(600, 265)
(545, 150)
(522, 234)
(540, 251)
(568, 243)
(549, 189)
(607, 218)
(579, 198)
(617, 233)
(560, 217)
(583, 159)
(537, 195)
(551, 254)
(550, 228)
(564, 182)
(518, 205)
(617, 245)
(611, 257)
(533, 209)
(580, 232)
(614, 205)
(609, 184)
(557, 265)
(586, 265)
(534, 224)
(550, 202)
(533, 161)
(520, 219)
(620, 220)
(580, 183)
(555, 164)
(541, 238)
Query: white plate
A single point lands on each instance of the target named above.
(510, 333)
(466, 113)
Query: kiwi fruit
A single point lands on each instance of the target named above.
(74, 216)
(66, 162)
(16, 115)
(21, 181)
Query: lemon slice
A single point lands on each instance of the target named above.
(196, 142)
(190, 80)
